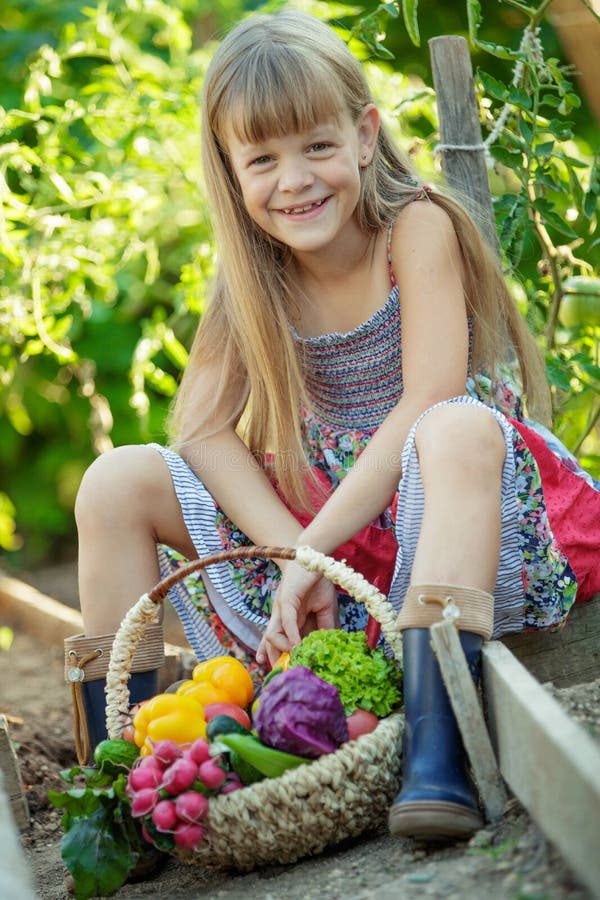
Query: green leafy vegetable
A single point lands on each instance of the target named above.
(365, 678)
(100, 846)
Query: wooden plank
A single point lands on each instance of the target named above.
(50, 622)
(15, 882)
(13, 783)
(550, 763)
(565, 657)
(24, 607)
(465, 703)
(463, 157)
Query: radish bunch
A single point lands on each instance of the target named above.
(169, 791)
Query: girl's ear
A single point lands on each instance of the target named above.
(368, 130)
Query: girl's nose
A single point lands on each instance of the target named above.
(295, 175)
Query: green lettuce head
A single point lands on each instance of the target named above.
(365, 678)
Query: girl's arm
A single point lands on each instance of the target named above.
(226, 467)
(240, 487)
(427, 264)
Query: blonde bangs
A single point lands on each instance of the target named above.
(276, 91)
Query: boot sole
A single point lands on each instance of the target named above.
(433, 820)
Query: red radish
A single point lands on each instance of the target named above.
(128, 734)
(361, 722)
(144, 802)
(148, 777)
(211, 774)
(148, 762)
(166, 752)
(164, 815)
(147, 836)
(188, 835)
(199, 751)
(227, 709)
(230, 786)
(180, 776)
(191, 806)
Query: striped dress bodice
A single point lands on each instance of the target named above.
(353, 380)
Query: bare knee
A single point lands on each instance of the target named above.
(460, 438)
(117, 486)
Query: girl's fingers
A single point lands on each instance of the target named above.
(271, 648)
(274, 641)
(289, 624)
(261, 653)
(275, 652)
(309, 625)
(326, 618)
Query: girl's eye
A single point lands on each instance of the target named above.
(319, 146)
(261, 160)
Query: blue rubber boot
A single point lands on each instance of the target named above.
(438, 800)
(142, 686)
(86, 667)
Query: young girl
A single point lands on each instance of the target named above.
(344, 391)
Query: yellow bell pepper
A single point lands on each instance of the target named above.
(283, 662)
(168, 717)
(220, 680)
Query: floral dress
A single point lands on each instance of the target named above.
(550, 507)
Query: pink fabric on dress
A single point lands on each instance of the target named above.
(573, 508)
(372, 551)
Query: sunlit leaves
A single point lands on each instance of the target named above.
(102, 219)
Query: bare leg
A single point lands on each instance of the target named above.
(125, 506)
(461, 453)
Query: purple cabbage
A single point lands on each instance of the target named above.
(301, 714)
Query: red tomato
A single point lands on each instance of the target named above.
(129, 730)
(227, 709)
(128, 733)
(361, 722)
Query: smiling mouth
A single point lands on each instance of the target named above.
(308, 207)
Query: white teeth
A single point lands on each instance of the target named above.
(302, 209)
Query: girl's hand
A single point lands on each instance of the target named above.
(305, 601)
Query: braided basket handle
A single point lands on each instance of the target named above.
(145, 610)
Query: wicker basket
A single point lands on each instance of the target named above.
(280, 820)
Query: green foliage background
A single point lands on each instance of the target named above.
(105, 241)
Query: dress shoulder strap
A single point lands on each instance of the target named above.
(389, 254)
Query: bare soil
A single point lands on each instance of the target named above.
(510, 860)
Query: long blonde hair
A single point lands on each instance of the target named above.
(274, 75)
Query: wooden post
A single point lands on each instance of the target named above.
(469, 716)
(461, 146)
(549, 761)
(9, 767)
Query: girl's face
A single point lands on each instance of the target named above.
(303, 189)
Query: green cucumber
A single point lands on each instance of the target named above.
(248, 773)
(270, 762)
(224, 725)
(115, 756)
